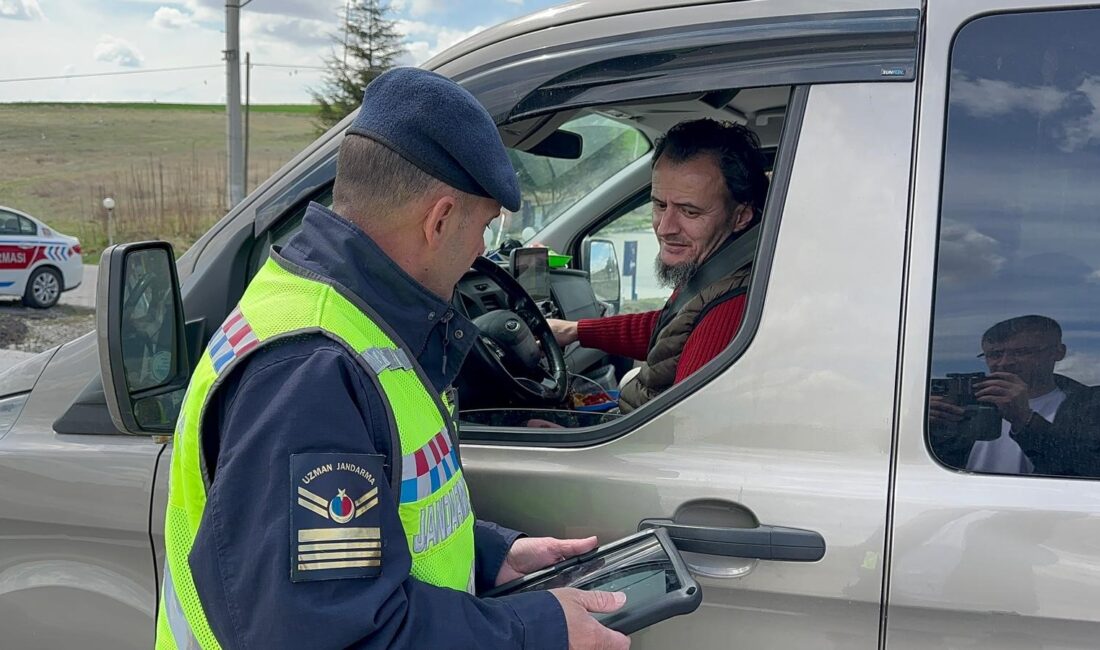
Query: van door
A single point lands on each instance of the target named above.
(995, 535)
(791, 426)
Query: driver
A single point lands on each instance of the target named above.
(708, 193)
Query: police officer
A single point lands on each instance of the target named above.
(317, 496)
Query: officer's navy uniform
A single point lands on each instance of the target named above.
(309, 395)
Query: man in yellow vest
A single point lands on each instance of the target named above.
(317, 496)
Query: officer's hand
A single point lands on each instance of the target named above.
(585, 632)
(940, 411)
(533, 553)
(565, 331)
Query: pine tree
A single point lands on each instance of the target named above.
(369, 45)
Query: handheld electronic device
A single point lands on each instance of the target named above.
(645, 566)
(531, 268)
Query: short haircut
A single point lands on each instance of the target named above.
(736, 148)
(373, 181)
(1006, 329)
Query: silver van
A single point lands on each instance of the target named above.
(935, 173)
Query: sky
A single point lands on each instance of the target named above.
(1020, 196)
(45, 38)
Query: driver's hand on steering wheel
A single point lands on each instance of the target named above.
(565, 331)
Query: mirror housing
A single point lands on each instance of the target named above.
(142, 340)
(601, 260)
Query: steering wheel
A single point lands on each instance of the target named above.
(509, 344)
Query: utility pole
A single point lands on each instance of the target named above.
(347, 17)
(247, 113)
(234, 142)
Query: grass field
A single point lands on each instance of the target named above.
(164, 164)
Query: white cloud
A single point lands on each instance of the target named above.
(206, 11)
(419, 8)
(111, 49)
(171, 18)
(316, 9)
(1082, 366)
(286, 30)
(425, 40)
(21, 10)
(993, 97)
(967, 255)
(1083, 130)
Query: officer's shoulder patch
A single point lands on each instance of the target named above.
(335, 520)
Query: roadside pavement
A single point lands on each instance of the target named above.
(42, 329)
(84, 295)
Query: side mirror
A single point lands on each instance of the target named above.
(602, 263)
(142, 342)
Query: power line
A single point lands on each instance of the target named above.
(153, 70)
(110, 74)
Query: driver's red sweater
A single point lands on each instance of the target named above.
(628, 335)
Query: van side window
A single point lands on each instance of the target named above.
(281, 233)
(1015, 374)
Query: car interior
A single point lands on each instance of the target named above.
(582, 171)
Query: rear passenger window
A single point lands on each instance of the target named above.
(9, 224)
(1016, 333)
(27, 227)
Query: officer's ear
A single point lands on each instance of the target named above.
(440, 220)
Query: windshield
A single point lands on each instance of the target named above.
(550, 186)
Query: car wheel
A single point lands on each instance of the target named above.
(43, 289)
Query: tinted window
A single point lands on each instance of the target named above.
(1018, 276)
(27, 227)
(9, 224)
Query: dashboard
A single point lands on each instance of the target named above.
(571, 296)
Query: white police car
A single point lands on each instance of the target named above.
(36, 262)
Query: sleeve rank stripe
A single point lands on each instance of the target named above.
(366, 497)
(338, 555)
(338, 534)
(373, 502)
(337, 546)
(347, 564)
(309, 505)
(312, 497)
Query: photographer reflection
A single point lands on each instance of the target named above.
(1021, 418)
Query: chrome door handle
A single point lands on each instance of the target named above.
(761, 543)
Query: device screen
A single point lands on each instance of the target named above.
(643, 571)
(531, 268)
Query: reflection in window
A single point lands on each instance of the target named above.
(1016, 337)
(148, 320)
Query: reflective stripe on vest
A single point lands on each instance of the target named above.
(173, 612)
(282, 301)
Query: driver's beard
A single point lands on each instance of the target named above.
(674, 276)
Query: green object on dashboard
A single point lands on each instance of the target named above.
(558, 261)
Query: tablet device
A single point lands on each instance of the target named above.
(531, 268)
(645, 566)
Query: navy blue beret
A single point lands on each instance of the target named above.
(438, 126)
